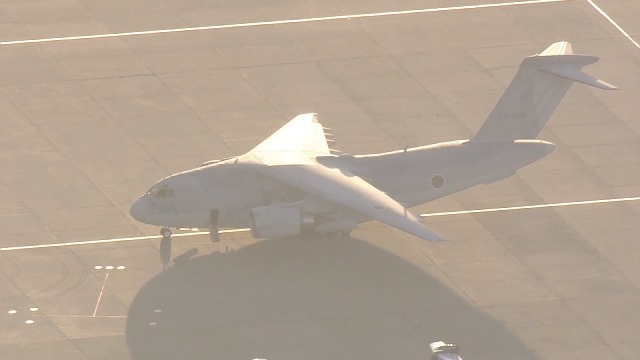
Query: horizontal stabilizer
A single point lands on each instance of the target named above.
(568, 67)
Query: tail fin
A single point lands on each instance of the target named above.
(535, 92)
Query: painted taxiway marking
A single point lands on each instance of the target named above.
(136, 238)
(89, 316)
(574, 203)
(613, 23)
(100, 297)
(278, 22)
(448, 213)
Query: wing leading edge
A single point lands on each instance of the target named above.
(352, 192)
(302, 134)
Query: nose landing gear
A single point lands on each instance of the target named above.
(165, 232)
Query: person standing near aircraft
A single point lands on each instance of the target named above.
(165, 252)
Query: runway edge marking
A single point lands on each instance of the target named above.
(448, 213)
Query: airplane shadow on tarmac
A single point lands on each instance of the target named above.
(322, 298)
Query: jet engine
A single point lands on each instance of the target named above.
(277, 221)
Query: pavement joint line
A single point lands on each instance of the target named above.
(613, 23)
(448, 213)
(279, 22)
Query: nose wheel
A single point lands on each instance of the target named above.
(165, 232)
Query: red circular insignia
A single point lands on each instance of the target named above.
(437, 181)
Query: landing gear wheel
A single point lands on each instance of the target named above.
(165, 232)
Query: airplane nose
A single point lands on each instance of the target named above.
(138, 210)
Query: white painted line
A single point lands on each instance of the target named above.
(100, 297)
(90, 242)
(98, 267)
(531, 207)
(120, 267)
(613, 23)
(153, 324)
(34, 309)
(279, 22)
(12, 312)
(90, 316)
(112, 240)
(109, 267)
(29, 322)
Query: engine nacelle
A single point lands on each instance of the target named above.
(278, 221)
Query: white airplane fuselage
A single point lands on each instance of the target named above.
(411, 177)
(291, 184)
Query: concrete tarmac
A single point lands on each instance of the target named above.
(88, 125)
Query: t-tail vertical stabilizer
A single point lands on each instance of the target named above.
(535, 92)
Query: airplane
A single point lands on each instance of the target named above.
(293, 184)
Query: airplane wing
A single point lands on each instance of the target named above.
(345, 189)
(288, 155)
(302, 134)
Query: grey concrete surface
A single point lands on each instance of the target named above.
(89, 125)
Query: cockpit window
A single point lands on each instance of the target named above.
(161, 192)
(165, 193)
